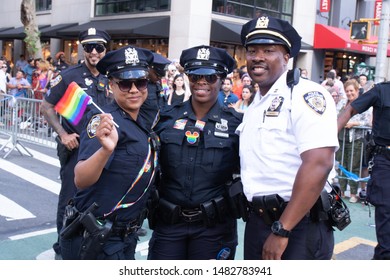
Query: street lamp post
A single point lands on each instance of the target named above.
(383, 36)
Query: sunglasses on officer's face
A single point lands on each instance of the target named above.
(211, 79)
(126, 85)
(98, 47)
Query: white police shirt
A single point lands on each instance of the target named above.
(277, 128)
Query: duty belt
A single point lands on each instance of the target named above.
(191, 215)
(123, 230)
(382, 150)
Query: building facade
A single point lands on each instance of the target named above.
(169, 26)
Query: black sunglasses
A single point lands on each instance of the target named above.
(126, 85)
(211, 79)
(98, 47)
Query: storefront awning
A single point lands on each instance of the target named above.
(52, 31)
(17, 33)
(151, 26)
(329, 37)
(228, 32)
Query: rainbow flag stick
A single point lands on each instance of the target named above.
(101, 111)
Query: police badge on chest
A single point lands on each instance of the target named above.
(221, 129)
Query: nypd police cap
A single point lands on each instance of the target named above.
(160, 64)
(126, 63)
(271, 31)
(206, 60)
(93, 35)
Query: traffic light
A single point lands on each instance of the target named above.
(360, 30)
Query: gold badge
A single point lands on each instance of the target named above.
(316, 101)
(92, 126)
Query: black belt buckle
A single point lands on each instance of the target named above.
(126, 230)
(191, 216)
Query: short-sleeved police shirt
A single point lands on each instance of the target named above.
(277, 128)
(379, 98)
(96, 87)
(122, 168)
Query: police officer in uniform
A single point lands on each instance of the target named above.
(156, 97)
(285, 169)
(378, 154)
(95, 85)
(199, 153)
(116, 163)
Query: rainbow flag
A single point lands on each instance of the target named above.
(73, 103)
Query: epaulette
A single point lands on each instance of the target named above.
(233, 112)
(169, 108)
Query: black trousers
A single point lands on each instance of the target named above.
(378, 194)
(192, 241)
(116, 248)
(308, 240)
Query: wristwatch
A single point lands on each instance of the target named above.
(277, 229)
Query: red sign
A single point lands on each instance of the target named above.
(325, 6)
(377, 11)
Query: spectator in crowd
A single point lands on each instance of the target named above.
(365, 83)
(179, 92)
(18, 85)
(248, 93)
(29, 70)
(21, 63)
(226, 97)
(350, 134)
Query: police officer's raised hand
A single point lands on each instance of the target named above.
(107, 133)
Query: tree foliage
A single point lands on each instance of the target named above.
(33, 39)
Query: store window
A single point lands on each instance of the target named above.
(255, 8)
(42, 5)
(110, 7)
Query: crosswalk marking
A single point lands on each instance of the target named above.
(37, 155)
(32, 177)
(13, 211)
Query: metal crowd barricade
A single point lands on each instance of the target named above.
(349, 165)
(21, 120)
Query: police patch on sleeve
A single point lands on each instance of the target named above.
(92, 126)
(316, 101)
(55, 81)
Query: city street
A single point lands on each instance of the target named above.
(29, 189)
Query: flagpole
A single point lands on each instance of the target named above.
(97, 107)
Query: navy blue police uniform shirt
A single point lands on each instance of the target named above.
(197, 157)
(96, 87)
(121, 169)
(379, 98)
(152, 104)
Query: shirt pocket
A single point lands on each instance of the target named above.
(273, 133)
(218, 154)
(171, 147)
(128, 159)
